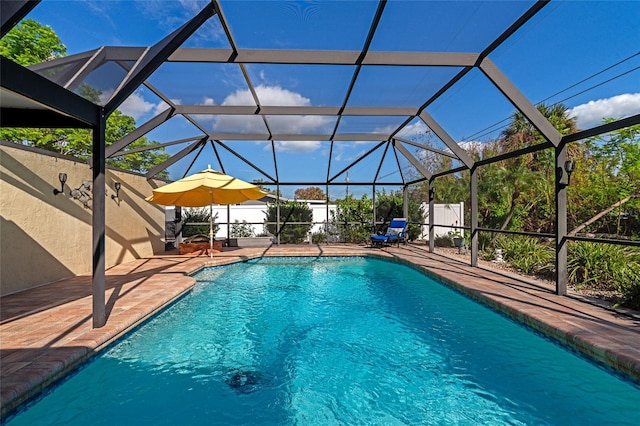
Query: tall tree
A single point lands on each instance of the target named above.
(523, 174)
(310, 193)
(30, 43)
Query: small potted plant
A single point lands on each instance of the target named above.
(458, 239)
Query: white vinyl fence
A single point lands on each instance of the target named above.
(448, 215)
(254, 214)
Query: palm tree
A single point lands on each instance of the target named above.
(524, 174)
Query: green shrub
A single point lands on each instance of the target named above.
(484, 241)
(318, 237)
(239, 230)
(196, 221)
(606, 267)
(352, 219)
(443, 241)
(527, 254)
(290, 211)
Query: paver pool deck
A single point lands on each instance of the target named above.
(47, 331)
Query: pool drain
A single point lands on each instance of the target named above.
(244, 381)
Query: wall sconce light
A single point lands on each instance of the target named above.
(569, 165)
(432, 194)
(63, 178)
(117, 186)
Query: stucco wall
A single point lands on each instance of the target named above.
(46, 237)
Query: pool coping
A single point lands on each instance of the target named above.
(144, 287)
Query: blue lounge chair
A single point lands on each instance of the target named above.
(395, 233)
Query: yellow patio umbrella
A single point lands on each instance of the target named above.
(207, 187)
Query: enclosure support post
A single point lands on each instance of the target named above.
(373, 198)
(228, 224)
(432, 231)
(98, 223)
(326, 223)
(278, 213)
(561, 221)
(405, 202)
(474, 215)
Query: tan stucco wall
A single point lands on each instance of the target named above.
(46, 237)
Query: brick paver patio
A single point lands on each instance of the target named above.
(45, 332)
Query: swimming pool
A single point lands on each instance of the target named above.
(333, 341)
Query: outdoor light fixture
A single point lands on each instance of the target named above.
(63, 178)
(569, 165)
(83, 194)
(432, 194)
(117, 186)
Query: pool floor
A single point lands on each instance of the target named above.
(44, 332)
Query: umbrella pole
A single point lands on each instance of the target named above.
(211, 229)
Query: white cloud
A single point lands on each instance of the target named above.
(268, 95)
(208, 101)
(591, 114)
(416, 128)
(135, 105)
(274, 95)
(297, 146)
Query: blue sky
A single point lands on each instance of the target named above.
(566, 43)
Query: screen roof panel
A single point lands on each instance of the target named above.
(202, 83)
(250, 93)
(292, 85)
(376, 125)
(444, 26)
(398, 86)
(302, 161)
(101, 82)
(299, 124)
(462, 112)
(115, 23)
(330, 25)
(236, 123)
(254, 157)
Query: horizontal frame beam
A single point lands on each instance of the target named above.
(157, 146)
(138, 133)
(347, 137)
(323, 57)
(428, 148)
(26, 83)
(12, 12)
(293, 110)
(39, 118)
(605, 128)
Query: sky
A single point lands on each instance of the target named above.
(583, 53)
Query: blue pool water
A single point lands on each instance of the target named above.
(323, 341)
